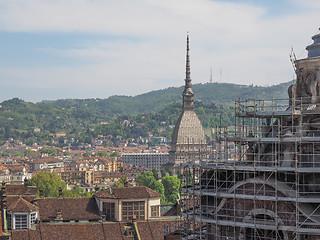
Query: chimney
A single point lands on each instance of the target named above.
(134, 218)
(60, 192)
(126, 183)
(59, 215)
(41, 193)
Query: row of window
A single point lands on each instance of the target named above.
(128, 210)
(133, 208)
(20, 221)
(108, 209)
(155, 211)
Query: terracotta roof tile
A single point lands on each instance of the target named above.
(109, 231)
(46, 160)
(20, 190)
(69, 208)
(19, 204)
(128, 192)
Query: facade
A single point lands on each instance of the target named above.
(147, 160)
(76, 177)
(46, 163)
(19, 174)
(121, 204)
(270, 190)
(188, 138)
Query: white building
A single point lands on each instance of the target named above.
(147, 160)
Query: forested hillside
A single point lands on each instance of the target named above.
(218, 93)
(155, 112)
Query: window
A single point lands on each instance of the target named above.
(155, 211)
(130, 232)
(108, 209)
(133, 208)
(9, 220)
(21, 221)
(33, 218)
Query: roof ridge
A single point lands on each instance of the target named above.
(28, 204)
(16, 202)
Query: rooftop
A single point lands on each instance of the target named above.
(128, 192)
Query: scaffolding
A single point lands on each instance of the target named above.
(262, 177)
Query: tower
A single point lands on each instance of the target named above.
(188, 141)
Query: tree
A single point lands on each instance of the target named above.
(121, 183)
(28, 152)
(5, 153)
(115, 154)
(170, 172)
(102, 154)
(66, 154)
(49, 182)
(17, 153)
(147, 179)
(179, 174)
(76, 192)
(163, 173)
(171, 188)
(50, 151)
(87, 154)
(155, 173)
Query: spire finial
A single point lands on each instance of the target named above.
(188, 72)
(188, 100)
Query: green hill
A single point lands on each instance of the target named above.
(219, 93)
(155, 112)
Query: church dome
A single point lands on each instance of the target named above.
(314, 48)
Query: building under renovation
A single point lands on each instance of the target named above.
(264, 182)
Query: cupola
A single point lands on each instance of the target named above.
(314, 48)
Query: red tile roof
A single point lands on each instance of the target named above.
(19, 204)
(108, 231)
(20, 190)
(128, 192)
(68, 208)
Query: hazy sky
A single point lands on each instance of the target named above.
(53, 49)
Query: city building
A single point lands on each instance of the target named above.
(46, 163)
(120, 204)
(270, 190)
(112, 214)
(147, 160)
(18, 174)
(188, 137)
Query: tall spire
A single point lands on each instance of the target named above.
(188, 100)
(188, 71)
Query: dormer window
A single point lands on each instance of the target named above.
(33, 218)
(21, 220)
(21, 214)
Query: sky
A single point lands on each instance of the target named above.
(58, 49)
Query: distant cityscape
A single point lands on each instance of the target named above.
(193, 170)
